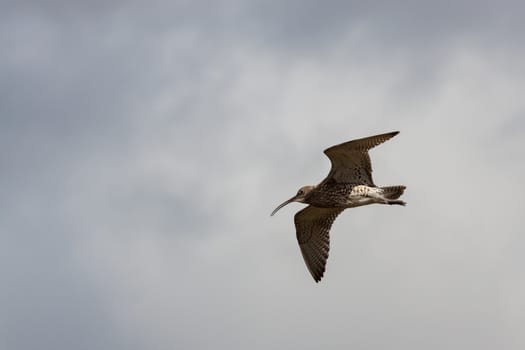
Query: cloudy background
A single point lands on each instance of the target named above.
(143, 146)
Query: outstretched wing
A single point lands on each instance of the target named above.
(313, 234)
(351, 162)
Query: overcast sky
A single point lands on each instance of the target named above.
(143, 146)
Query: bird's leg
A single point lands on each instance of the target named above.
(375, 193)
(395, 201)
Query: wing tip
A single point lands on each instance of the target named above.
(385, 137)
(318, 275)
(390, 134)
(317, 272)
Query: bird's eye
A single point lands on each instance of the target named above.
(300, 192)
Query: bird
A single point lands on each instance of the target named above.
(349, 184)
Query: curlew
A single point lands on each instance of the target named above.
(348, 184)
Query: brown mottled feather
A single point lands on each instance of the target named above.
(313, 234)
(351, 162)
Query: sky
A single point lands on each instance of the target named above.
(143, 146)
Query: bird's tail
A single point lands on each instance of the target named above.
(393, 192)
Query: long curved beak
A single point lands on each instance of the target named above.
(283, 204)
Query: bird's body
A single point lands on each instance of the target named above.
(349, 184)
(348, 195)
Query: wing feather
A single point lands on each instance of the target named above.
(351, 162)
(313, 234)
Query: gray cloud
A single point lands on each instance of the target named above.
(143, 148)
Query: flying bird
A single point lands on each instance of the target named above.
(349, 184)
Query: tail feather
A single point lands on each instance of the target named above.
(393, 192)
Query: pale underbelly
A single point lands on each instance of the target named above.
(349, 197)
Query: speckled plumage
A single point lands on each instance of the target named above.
(349, 184)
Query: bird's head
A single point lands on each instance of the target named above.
(300, 197)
